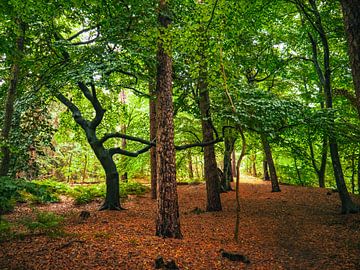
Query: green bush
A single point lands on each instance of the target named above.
(132, 188)
(8, 194)
(5, 229)
(86, 194)
(43, 222)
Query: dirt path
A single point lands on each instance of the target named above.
(299, 228)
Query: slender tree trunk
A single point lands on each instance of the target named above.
(85, 167)
(298, 171)
(266, 171)
(190, 165)
(353, 169)
(346, 202)
(253, 160)
(233, 164)
(152, 104)
(124, 176)
(273, 176)
(238, 164)
(168, 219)
(210, 166)
(320, 172)
(228, 176)
(11, 96)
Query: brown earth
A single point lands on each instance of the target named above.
(299, 228)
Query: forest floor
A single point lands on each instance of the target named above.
(298, 228)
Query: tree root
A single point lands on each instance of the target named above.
(111, 206)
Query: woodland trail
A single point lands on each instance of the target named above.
(299, 228)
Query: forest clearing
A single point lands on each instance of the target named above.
(299, 228)
(179, 134)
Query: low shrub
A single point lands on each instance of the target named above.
(5, 229)
(132, 188)
(43, 222)
(86, 194)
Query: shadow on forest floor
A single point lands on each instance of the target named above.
(298, 228)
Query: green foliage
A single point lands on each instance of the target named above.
(132, 188)
(43, 222)
(5, 229)
(89, 193)
(86, 194)
(8, 194)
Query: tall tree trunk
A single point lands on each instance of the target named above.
(168, 219)
(351, 13)
(347, 204)
(266, 171)
(273, 176)
(152, 104)
(229, 142)
(210, 166)
(10, 98)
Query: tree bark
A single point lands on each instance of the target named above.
(266, 171)
(229, 143)
(269, 159)
(190, 166)
(210, 166)
(253, 161)
(11, 96)
(152, 104)
(347, 205)
(351, 13)
(320, 172)
(233, 164)
(168, 219)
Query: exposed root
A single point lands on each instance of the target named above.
(111, 206)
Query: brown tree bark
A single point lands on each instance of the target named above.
(210, 166)
(265, 170)
(229, 142)
(253, 162)
(190, 165)
(152, 104)
(351, 13)
(11, 96)
(167, 220)
(273, 176)
(233, 164)
(124, 176)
